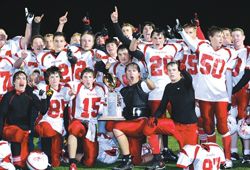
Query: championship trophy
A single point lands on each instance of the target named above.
(113, 110)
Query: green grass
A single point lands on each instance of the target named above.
(169, 166)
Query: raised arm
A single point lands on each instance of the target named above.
(36, 24)
(118, 31)
(62, 21)
(27, 37)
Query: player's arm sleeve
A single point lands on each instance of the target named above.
(118, 31)
(163, 105)
(187, 77)
(35, 28)
(243, 81)
(190, 42)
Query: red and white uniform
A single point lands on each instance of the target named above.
(5, 156)
(58, 101)
(6, 71)
(85, 59)
(156, 60)
(88, 103)
(48, 59)
(212, 68)
(11, 47)
(207, 156)
(118, 69)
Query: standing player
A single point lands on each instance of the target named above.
(241, 98)
(214, 69)
(87, 104)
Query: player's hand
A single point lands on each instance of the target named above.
(63, 19)
(178, 27)
(29, 16)
(170, 32)
(114, 15)
(38, 19)
(24, 54)
(101, 67)
(137, 35)
(42, 94)
(195, 20)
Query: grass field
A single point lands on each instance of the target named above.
(169, 166)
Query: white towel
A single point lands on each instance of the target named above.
(91, 133)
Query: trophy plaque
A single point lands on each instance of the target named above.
(113, 110)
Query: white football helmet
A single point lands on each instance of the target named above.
(244, 128)
(37, 160)
(108, 149)
(5, 156)
(231, 124)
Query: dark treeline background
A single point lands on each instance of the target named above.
(162, 12)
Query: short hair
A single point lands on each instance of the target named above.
(36, 36)
(48, 35)
(88, 70)
(17, 74)
(126, 24)
(51, 70)
(158, 31)
(133, 64)
(240, 30)
(76, 34)
(111, 40)
(88, 33)
(59, 34)
(190, 25)
(213, 30)
(149, 23)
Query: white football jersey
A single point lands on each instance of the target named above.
(207, 156)
(88, 103)
(238, 71)
(58, 101)
(6, 72)
(11, 47)
(48, 59)
(157, 60)
(212, 67)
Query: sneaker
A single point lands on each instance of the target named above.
(227, 165)
(157, 165)
(126, 164)
(168, 155)
(246, 159)
(235, 156)
(73, 166)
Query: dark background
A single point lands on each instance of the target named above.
(162, 12)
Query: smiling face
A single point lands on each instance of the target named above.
(238, 39)
(147, 30)
(37, 45)
(20, 81)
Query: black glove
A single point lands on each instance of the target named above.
(29, 16)
(71, 58)
(170, 32)
(178, 27)
(100, 66)
(195, 20)
(137, 35)
(41, 92)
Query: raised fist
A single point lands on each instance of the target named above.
(137, 35)
(29, 16)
